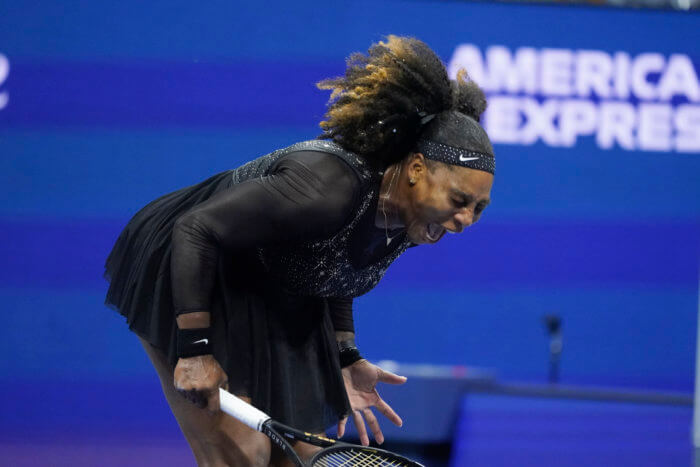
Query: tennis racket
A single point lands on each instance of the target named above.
(336, 453)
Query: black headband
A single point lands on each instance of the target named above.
(456, 156)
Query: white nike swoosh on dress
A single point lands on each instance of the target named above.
(464, 159)
(206, 341)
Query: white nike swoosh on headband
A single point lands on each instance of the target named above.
(206, 341)
(464, 159)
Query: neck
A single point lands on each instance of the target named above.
(388, 206)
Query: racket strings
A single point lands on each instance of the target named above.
(352, 457)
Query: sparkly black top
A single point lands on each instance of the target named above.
(309, 211)
(333, 266)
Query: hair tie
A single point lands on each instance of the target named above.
(425, 118)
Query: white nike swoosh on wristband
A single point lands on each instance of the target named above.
(206, 341)
(464, 159)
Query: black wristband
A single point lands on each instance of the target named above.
(348, 356)
(347, 343)
(193, 342)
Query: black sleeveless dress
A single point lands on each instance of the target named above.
(276, 250)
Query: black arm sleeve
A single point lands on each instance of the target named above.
(307, 195)
(341, 314)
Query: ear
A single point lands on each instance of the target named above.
(417, 167)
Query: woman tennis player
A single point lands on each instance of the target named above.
(245, 281)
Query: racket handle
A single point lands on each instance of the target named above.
(241, 410)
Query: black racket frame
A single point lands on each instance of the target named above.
(280, 434)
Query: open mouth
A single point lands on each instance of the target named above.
(434, 232)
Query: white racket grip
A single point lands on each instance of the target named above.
(242, 410)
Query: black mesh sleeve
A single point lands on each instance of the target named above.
(341, 314)
(308, 195)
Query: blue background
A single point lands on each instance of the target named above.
(113, 104)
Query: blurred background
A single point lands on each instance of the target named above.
(560, 330)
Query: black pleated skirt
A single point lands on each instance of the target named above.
(276, 348)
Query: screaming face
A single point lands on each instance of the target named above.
(442, 199)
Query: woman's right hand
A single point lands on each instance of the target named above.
(198, 379)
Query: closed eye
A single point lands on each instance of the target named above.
(460, 203)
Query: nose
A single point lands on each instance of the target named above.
(461, 221)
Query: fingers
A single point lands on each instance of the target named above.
(194, 396)
(204, 398)
(341, 427)
(390, 378)
(373, 425)
(213, 404)
(388, 412)
(361, 429)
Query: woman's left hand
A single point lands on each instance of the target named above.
(360, 380)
